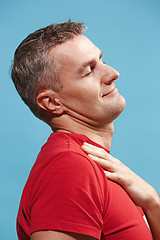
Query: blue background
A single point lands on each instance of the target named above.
(128, 33)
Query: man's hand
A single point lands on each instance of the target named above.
(139, 190)
(143, 194)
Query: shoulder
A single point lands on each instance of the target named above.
(61, 142)
(58, 146)
(69, 168)
(72, 165)
(62, 160)
(64, 148)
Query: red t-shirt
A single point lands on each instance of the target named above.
(68, 191)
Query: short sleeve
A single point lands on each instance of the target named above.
(67, 196)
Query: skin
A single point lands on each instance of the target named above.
(87, 104)
(56, 235)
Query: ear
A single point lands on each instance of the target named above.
(47, 100)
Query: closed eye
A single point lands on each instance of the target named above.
(90, 70)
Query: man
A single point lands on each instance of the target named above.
(60, 75)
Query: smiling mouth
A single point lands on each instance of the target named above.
(106, 94)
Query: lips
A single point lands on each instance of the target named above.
(105, 94)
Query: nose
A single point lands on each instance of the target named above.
(109, 75)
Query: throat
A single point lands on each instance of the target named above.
(101, 135)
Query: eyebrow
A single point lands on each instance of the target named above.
(90, 62)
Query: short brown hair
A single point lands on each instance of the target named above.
(33, 69)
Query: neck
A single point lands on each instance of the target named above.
(99, 134)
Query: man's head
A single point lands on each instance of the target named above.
(34, 69)
(89, 94)
(60, 72)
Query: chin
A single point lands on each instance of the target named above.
(117, 109)
(123, 103)
(121, 106)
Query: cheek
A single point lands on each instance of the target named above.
(81, 100)
(82, 92)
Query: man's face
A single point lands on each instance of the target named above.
(89, 93)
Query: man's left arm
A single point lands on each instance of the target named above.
(152, 212)
(143, 194)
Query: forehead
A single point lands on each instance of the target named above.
(76, 51)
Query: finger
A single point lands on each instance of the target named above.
(109, 166)
(96, 151)
(112, 176)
